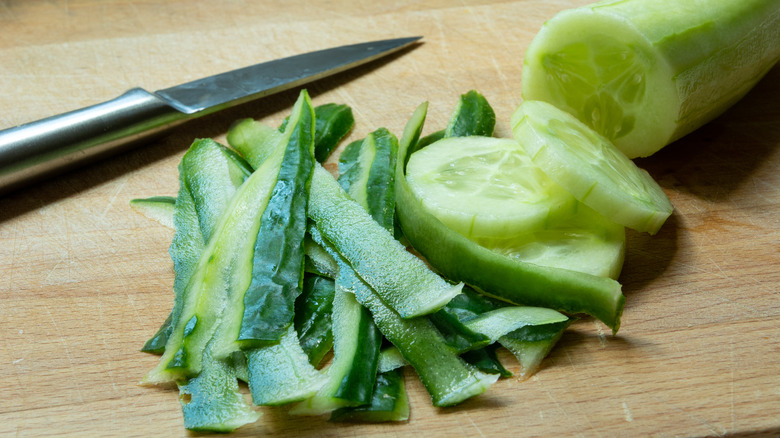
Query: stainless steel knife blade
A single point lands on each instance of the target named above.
(34, 150)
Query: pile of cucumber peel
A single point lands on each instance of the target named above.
(299, 287)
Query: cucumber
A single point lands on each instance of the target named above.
(522, 283)
(485, 187)
(590, 167)
(644, 73)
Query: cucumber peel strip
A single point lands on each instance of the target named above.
(402, 280)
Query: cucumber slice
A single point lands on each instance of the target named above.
(484, 187)
(585, 242)
(590, 167)
(644, 73)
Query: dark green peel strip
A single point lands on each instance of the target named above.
(279, 255)
(389, 402)
(473, 115)
(333, 123)
(313, 319)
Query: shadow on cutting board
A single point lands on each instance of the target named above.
(74, 182)
(707, 167)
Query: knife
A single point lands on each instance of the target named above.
(37, 149)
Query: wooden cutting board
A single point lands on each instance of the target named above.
(84, 280)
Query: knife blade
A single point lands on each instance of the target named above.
(49, 146)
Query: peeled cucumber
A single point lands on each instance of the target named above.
(644, 73)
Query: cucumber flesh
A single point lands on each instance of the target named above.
(590, 167)
(485, 187)
(585, 242)
(644, 73)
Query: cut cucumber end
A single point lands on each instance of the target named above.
(603, 71)
(590, 167)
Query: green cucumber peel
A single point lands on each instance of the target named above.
(216, 182)
(447, 378)
(313, 317)
(403, 281)
(389, 402)
(277, 267)
(333, 123)
(212, 401)
(460, 259)
(486, 360)
(205, 311)
(352, 372)
(281, 373)
(497, 323)
(390, 358)
(366, 174)
(318, 261)
(473, 115)
(255, 141)
(644, 73)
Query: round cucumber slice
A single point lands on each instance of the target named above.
(585, 242)
(485, 187)
(590, 167)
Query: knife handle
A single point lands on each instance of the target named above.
(31, 151)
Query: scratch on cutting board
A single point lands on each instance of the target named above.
(629, 417)
(475, 425)
(715, 430)
(66, 352)
(110, 204)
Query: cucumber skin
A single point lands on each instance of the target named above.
(712, 52)
(460, 259)
(277, 267)
(403, 280)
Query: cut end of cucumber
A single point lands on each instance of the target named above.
(590, 167)
(603, 71)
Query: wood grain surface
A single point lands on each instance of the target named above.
(84, 280)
